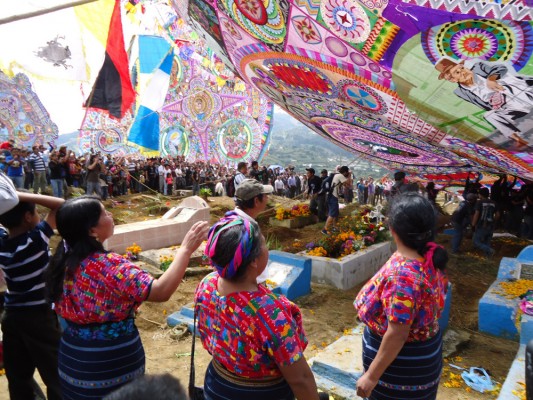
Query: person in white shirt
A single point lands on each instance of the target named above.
(333, 199)
(161, 173)
(279, 186)
(241, 175)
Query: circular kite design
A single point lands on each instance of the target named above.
(482, 39)
(336, 46)
(306, 29)
(109, 140)
(347, 19)
(272, 31)
(174, 141)
(362, 96)
(235, 138)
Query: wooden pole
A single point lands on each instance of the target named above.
(36, 13)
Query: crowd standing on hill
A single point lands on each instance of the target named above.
(55, 170)
(96, 292)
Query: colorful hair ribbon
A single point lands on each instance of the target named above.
(431, 247)
(242, 252)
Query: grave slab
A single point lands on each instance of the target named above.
(338, 367)
(515, 381)
(526, 255)
(183, 316)
(294, 223)
(160, 232)
(498, 313)
(290, 274)
(349, 271)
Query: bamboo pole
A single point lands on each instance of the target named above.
(13, 18)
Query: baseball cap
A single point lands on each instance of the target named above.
(8, 194)
(312, 170)
(250, 188)
(5, 145)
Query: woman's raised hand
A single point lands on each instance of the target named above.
(196, 235)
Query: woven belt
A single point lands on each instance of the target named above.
(241, 381)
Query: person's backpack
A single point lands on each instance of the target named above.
(488, 209)
(327, 187)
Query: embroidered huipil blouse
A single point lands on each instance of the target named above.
(405, 292)
(105, 287)
(249, 333)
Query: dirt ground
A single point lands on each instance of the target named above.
(327, 311)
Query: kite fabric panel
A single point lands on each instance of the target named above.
(209, 112)
(426, 86)
(22, 115)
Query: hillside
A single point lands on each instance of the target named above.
(293, 143)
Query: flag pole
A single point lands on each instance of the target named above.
(36, 13)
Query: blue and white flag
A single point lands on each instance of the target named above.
(145, 129)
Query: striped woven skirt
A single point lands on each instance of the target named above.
(414, 374)
(95, 360)
(220, 384)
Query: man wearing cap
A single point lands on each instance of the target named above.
(314, 184)
(462, 219)
(251, 198)
(333, 198)
(507, 97)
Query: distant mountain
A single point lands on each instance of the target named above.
(292, 142)
(70, 140)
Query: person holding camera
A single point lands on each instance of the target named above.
(94, 170)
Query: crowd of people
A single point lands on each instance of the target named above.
(256, 338)
(53, 170)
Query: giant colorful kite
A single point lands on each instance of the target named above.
(22, 115)
(209, 113)
(433, 86)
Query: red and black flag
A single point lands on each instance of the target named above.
(113, 90)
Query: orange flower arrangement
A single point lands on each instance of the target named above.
(299, 210)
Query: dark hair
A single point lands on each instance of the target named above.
(247, 204)
(74, 220)
(430, 185)
(15, 216)
(484, 192)
(412, 217)
(158, 387)
(241, 165)
(228, 243)
(398, 176)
